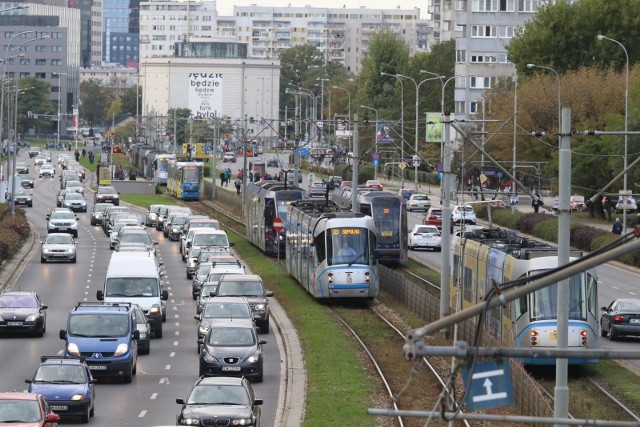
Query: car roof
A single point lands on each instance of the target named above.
(61, 360)
(227, 300)
(220, 381)
(245, 277)
(18, 395)
(18, 293)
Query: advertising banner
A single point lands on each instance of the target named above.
(383, 135)
(205, 95)
(434, 127)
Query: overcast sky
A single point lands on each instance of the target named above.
(225, 7)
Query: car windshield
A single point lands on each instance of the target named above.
(100, 208)
(142, 238)
(73, 196)
(210, 240)
(61, 239)
(131, 287)
(74, 184)
(98, 325)
(73, 374)
(420, 197)
(213, 225)
(154, 209)
(21, 193)
(240, 288)
(180, 220)
(18, 301)
(221, 310)
(218, 395)
(231, 337)
(20, 411)
(425, 230)
(106, 190)
(63, 215)
(207, 289)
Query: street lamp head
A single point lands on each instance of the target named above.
(600, 37)
(531, 65)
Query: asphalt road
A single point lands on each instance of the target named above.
(166, 374)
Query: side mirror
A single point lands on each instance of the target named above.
(44, 307)
(180, 401)
(201, 341)
(269, 293)
(231, 245)
(197, 317)
(28, 381)
(62, 334)
(165, 295)
(136, 335)
(262, 342)
(100, 295)
(257, 402)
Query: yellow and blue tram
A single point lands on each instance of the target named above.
(487, 257)
(185, 180)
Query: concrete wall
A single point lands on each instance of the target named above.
(134, 187)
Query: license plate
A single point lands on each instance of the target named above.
(554, 335)
(62, 228)
(231, 368)
(97, 367)
(634, 320)
(14, 323)
(58, 408)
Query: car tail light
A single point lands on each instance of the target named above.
(533, 338)
(618, 318)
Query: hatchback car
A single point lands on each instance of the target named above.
(143, 326)
(220, 401)
(425, 236)
(23, 197)
(22, 168)
(621, 317)
(221, 310)
(19, 409)
(58, 247)
(67, 384)
(374, 184)
(206, 292)
(152, 215)
(249, 286)
(463, 215)
(26, 180)
(60, 197)
(418, 202)
(434, 217)
(628, 204)
(97, 213)
(62, 220)
(75, 202)
(317, 189)
(406, 193)
(22, 312)
(229, 156)
(39, 160)
(232, 349)
(107, 194)
(74, 185)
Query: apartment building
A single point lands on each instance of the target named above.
(111, 76)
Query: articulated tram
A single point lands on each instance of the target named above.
(266, 201)
(484, 258)
(331, 252)
(185, 180)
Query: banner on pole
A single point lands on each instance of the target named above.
(205, 95)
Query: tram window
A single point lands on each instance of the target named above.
(576, 298)
(321, 250)
(592, 295)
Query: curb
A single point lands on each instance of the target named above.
(13, 268)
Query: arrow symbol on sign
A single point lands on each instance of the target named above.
(487, 385)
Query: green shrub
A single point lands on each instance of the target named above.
(582, 237)
(505, 217)
(547, 230)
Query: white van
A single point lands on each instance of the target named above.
(135, 277)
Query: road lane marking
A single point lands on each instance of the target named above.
(142, 413)
(172, 354)
(153, 396)
(167, 367)
(176, 343)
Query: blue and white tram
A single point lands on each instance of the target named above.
(160, 167)
(331, 252)
(266, 201)
(485, 257)
(185, 180)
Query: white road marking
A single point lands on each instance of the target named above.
(176, 343)
(167, 367)
(177, 332)
(142, 413)
(172, 354)
(153, 396)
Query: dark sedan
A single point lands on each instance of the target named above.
(220, 401)
(621, 317)
(23, 197)
(273, 162)
(26, 180)
(22, 312)
(107, 194)
(232, 349)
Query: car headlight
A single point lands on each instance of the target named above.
(72, 348)
(78, 397)
(175, 230)
(203, 330)
(260, 307)
(209, 358)
(31, 318)
(122, 349)
(241, 422)
(154, 310)
(46, 251)
(190, 422)
(254, 357)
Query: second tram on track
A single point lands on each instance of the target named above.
(389, 212)
(185, 180)
(266, 201)
(486, 257)
(331, 252)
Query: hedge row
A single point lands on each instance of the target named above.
(545, 226)
(14, 231)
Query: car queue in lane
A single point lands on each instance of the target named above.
(171, 369)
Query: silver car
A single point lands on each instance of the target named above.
(58, 247)
(75, 202)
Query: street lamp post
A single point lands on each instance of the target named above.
(59, 106)
(322, 96)
(375, 169)
(349, 113)
(401, 123)
(15, 153)
(626, 115)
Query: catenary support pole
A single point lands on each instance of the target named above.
(356, 158)
(446, 221)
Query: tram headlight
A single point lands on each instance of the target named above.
(533, 337)
(584, 337)
(367, 277)
(330, 277)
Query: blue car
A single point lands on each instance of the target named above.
(67, 384)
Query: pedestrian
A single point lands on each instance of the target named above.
(238, 185)
(222, 178)
(536, 202)
(617, 227)
(77, 155)
(84, 152)
(250, 176)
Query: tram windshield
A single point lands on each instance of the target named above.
(163, 165)
(283, 200)
(386, 215)
(348, 245)
(543, 303)
(191, 174)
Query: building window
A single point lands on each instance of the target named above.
(473, 107)
(527, 5)
(56, 48)
(461, 56)
(41, 75)
(56, 62)
(9, 34)
(483, 31)
(25, 61)
(56, 35)
(461, 107)
(41, 48)
(483, 59)
(41, 62)
(41, 34)
(480, 82)
(506, 32)
(484, 5)
(507, 5)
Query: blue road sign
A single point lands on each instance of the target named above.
(207, 148)
(439, 176)
(376, 156)
(499, 174)
(489, 385)
(304, 151)
(376, 162)
(440, 166)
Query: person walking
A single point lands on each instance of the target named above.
(536, 202)
(617, 227)
(238, 185)
(222, 178)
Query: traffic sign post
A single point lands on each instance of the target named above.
(489, 385)
(277, 225)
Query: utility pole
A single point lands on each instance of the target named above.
(214, 147)
(446, 222)
(354, 183)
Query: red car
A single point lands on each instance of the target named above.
(374, 183)
(26, 410)
(434, 217)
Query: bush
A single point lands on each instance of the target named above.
(582, 237)
(14, 231)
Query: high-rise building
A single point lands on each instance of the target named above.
(121, 31)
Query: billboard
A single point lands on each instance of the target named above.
(383, 135)
(205, 95)
(434, 127)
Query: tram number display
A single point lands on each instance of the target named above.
(386, 211)
(345, 231)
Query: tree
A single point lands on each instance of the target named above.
(92, 102)
(34, 97)
(563, 35)
(297, 63)
(181, 116)
(128, 100)
(115, 108)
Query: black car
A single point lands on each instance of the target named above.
(621, 317)
(251, 287)
(22, 312)
(274, 161)
(107, 194)
(23, 197)
(220, 401)
(26, 180)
